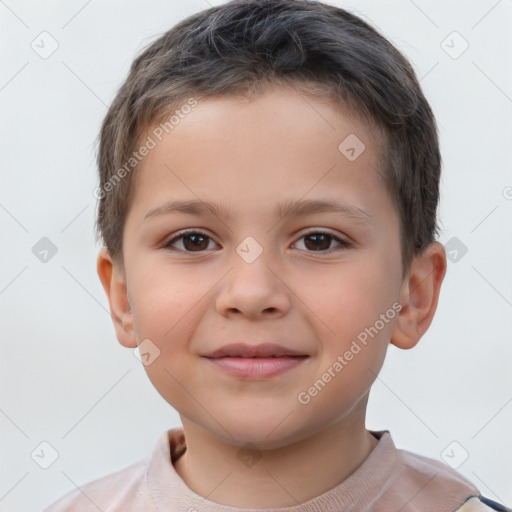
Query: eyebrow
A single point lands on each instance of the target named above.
(287, 207)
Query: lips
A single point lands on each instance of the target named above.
(256, 368)
(264, 350)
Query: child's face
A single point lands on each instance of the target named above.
(312, 295)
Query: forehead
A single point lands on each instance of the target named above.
(280, 109)
(257, 149)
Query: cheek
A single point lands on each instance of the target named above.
(166, 310)
(166, 300)
(354, 336)
(347, 299)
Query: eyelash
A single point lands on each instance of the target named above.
(168, 245)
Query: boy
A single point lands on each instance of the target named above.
(269, 179)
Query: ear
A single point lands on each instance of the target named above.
(419, 296)
(113, 280)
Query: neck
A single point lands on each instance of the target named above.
(282, 477)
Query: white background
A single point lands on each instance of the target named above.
(64, 377)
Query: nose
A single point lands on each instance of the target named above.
(253, 290)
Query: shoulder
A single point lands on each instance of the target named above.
(432, 482)
(121, 488)
(436, 476)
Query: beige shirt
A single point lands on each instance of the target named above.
(388, 480)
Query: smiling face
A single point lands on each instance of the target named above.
(255, 271)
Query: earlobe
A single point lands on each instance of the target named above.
(419, 296)
(114, 284)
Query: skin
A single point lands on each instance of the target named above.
(250, 154)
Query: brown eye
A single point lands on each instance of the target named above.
(192, 241)
(321, 242)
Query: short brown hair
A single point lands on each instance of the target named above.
(244, 45)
